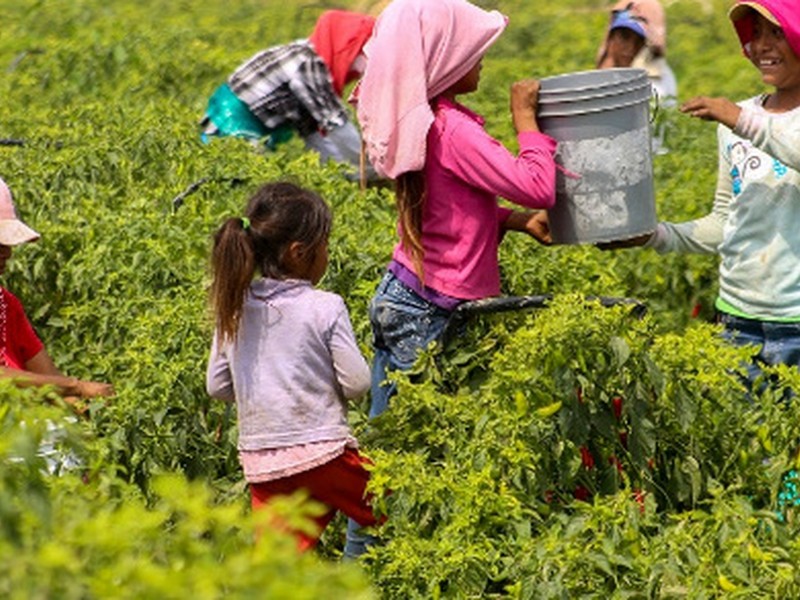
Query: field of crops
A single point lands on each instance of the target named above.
(569, 452)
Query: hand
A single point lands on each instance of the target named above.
(535, 224)
(93, 389)
(639, 240)
(82, 390)
(524, 100)
(721, 110)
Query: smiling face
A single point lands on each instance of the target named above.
(774, 58)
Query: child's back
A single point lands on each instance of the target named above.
(293, 365)
(286, 353)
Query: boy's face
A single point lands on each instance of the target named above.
(623, 46)
(773, 57)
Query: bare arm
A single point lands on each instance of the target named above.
(524, 100)
(534, 223)
(720, 110)
(40, 371)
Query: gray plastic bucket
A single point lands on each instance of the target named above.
(604, 185)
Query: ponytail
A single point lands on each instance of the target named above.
(410, 193)
(233, 263)
(277, 215)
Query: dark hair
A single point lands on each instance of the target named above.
(277, 215)
(410, 195)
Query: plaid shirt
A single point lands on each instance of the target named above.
(289, 83)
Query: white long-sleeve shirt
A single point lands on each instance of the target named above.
(753, 224)
(292, 367)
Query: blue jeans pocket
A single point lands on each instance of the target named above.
(402, 322)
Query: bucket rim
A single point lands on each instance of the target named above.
(636, 74)
(577, 111)
(628, 83)
(606, 93)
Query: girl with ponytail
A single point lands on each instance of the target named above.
(285, 352)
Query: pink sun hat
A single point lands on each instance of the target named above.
(778, 12)
(12, 231)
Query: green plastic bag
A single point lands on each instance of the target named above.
(232, 118)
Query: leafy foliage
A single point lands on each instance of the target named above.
(72, 529)
(576, 451)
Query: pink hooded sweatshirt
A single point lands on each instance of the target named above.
(418, 50)
(407, 66)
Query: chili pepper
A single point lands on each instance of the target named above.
(616, 405)
(639, 496)
(581, 493)
(587, 460)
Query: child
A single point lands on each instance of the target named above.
(448, 171)
(23, 357)
(637, 38)
(757, 203)
(286, 353)
(297, 87)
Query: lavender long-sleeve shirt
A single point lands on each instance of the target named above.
(462, 224)
(292, 367)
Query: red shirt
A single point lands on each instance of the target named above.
(18, 341)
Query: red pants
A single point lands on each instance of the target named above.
(338, 484)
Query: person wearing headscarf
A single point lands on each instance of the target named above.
(297, 88)
(636, 37)
(448, 173)
(447, 170)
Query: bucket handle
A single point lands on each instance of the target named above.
(656, 105)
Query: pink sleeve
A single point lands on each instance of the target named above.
(528, 179)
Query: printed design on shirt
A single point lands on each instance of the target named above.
(779, 168)
(748, 163)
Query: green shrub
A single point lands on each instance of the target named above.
(489, 440)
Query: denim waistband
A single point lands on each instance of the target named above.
(410, 280)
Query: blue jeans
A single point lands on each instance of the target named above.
(403, 323)
(779, 343)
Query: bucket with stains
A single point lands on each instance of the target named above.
(604, 186)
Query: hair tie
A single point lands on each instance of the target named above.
(245, 223)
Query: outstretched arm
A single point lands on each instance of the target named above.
(720, 110)
(40, 371)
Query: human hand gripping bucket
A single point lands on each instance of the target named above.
(604, 184)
